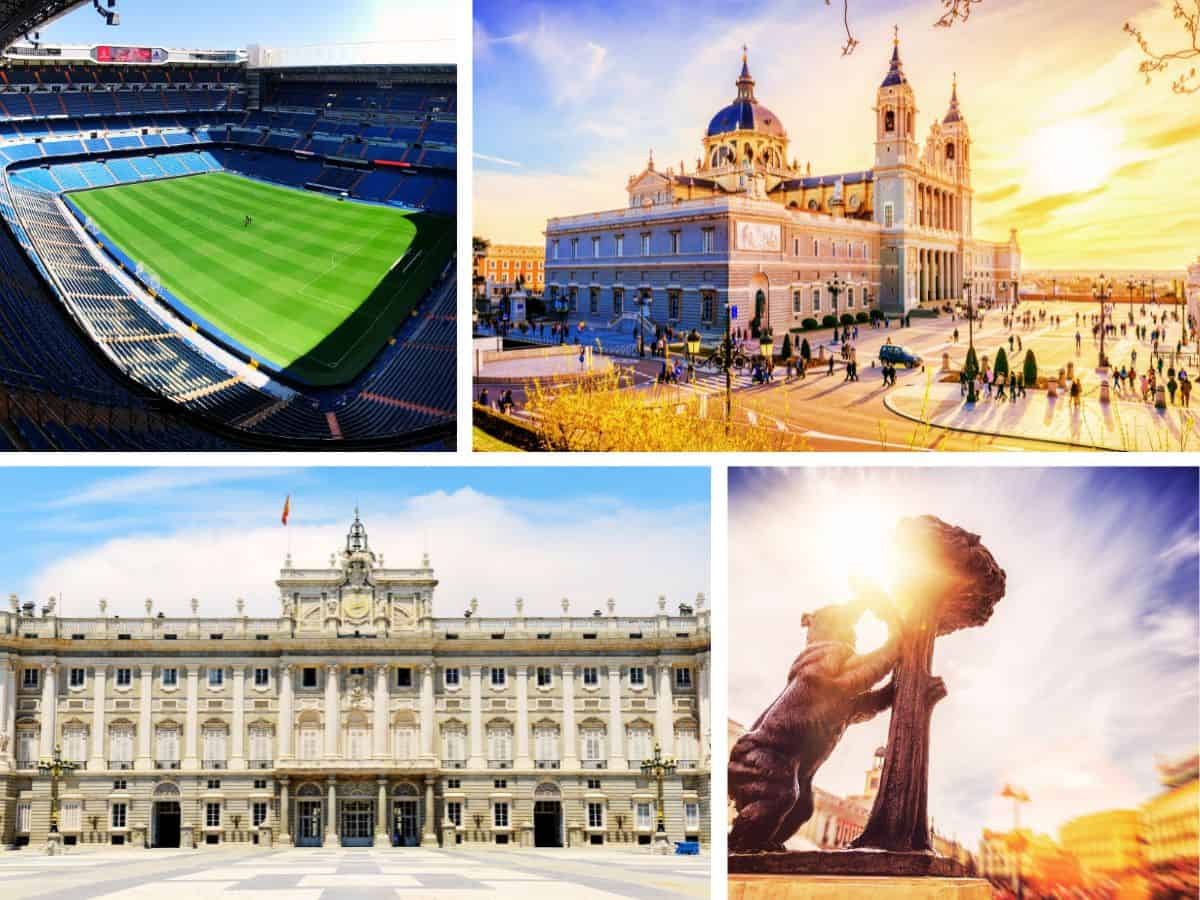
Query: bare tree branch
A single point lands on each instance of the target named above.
(955, 11)
(1189, 81)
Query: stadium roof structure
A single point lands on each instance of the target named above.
(19, 17)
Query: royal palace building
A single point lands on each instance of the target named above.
(749, 230)
(354, 717)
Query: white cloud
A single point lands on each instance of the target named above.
(480, 546)
(1079, 679)
(149, 483)
(498, 160)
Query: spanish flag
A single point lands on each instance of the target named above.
(287, 503)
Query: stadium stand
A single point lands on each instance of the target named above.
(88, 362)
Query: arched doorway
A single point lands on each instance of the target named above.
(165, 819)
(760, 305)
(309, 818)
(356, 811)
(547, 816)
(406, 819)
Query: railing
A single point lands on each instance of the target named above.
(547, 764)
(80, 764)
(454, 763)
(120, 765)
(26, 764)
(686, 764)
(215, 764)
(166, 764)
(261, 763)
(499, 763)
(595, 764)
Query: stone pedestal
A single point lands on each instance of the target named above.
(945, 362)
(662, 845)
(137, 836)
(265, 836)
(54, 844)
(448, 834)
(850, 887)
(186, 837)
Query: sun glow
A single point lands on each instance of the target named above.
(1076, 155)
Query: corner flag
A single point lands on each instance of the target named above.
(286, 508)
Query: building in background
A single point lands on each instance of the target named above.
(355, 717)
(749, 226)
(499, 267)
(1171, 819)
(1108, 844)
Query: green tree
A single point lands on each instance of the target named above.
(805, 351)
(1030, 373)
(971, 366)
(1001, 362)
(785, 352)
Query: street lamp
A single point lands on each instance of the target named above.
(560, 306)
(693, 349)
(1018, 796)
(727, 359)
(969, 368)
(56, 767)
(1129, 286)
(656, 768)
(835, 286)
(1102, 291)
(766, 346)
(644, 300)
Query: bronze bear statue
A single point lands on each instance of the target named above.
(771, 766)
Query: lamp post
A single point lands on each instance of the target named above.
(766, 346)
(643, 302)
(727, 359)
(693, 348)
(835, 286)
(1129, 286)
(560, 307)
(1102, 291)
(1018, 796)
(657, 768)
(56, 767)
(969, 368)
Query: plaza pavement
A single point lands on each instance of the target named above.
(352, 873)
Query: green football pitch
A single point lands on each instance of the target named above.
(314, 286)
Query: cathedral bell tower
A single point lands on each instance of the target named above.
(957, 139)
(895, 116)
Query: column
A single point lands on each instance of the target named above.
(331, 815)
(429, 826)
(48, 713)
(570, 756)
(380, 720)
(7, 725)
(616, 728)
(381, 810)
(237, 752)
(98, 677)
(705, 724)
(427, 726)
(285, 816)
(283, 726)
(666, 710)
(333, 721)
(145, 732)
(523, 760)
(192, 728)
(477, 760)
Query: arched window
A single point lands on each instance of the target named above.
(889, 120)
(950, 150)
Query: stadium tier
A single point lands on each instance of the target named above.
(209, 257)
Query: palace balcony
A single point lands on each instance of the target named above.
(499, 764)
(261, 763)
(547, 763)
(166, 764)
(595, 764)
(120, 765)
(215, 764)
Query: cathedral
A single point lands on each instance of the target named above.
(749, 236)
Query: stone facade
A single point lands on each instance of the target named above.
(751, 229)
(521, 731)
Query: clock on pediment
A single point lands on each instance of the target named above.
(358, 588)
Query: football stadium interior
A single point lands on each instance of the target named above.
(201, 252)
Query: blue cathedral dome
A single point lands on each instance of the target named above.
(745, 113)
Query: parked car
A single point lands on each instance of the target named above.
(897, 355)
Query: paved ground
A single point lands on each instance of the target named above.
(354, 874)
(832, 414)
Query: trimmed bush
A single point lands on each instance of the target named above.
(971, 366)
(1001, 367)
(1030, 372)
(810, 324)
(829, 321)
(847, 319)
(861, 318)
(805, 350)
(785, 352)
(876, 314)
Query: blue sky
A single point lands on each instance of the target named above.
(174, 533)
(1087, 669)
(1069, 145)
(223, 24)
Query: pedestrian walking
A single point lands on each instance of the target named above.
(1185, 392)
(830, 372)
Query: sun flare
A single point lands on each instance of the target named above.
(1076, 155)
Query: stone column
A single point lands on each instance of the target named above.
(702, 706)
(192, 728)
(48, 713)
(145, 733)
(283, 726)
(570, 755)
(331, 832)
(98, 678)
(381, 817)
(237, 753)
(429, 825)
(333, 723)
(380, 712)
(616, 728)
(8, 687)
(666, 710)
(285, 816)
(427, 725)
(523, 760)
(477, 760)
